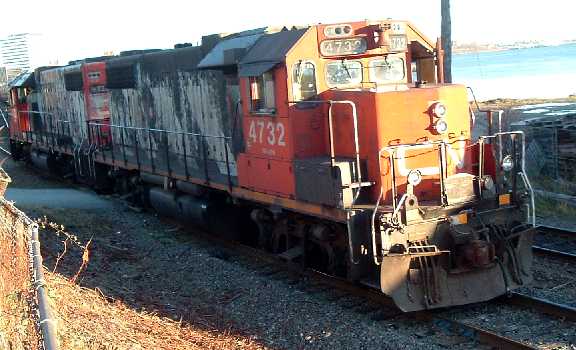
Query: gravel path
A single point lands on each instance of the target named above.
(56, 198)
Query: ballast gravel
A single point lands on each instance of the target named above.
(142, 261)
(146, 263)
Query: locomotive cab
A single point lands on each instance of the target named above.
(20, 90)
(370, 128)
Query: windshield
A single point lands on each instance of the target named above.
(387, 70)
(343, 73)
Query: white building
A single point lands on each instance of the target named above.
(22, 52)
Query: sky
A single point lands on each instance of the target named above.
(76, 29)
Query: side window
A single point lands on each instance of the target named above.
(262, 93)
(93, 75)
(121, 76)
(73, 81)
(303, 81)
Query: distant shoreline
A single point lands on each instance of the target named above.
(479, 49)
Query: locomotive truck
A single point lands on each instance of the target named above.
(336, 146)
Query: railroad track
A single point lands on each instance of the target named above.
(376, 305)
(369, 300)
(556, 242)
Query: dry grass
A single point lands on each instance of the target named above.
(88, 320)
(17, 319)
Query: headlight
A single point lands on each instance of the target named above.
(439, 110)
(414, 177)
(441, 126)
(507, 163)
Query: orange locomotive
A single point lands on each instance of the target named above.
(337, 146)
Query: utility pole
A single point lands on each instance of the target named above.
(447, 40)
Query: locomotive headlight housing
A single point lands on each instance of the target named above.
(441, 126)
(414, 177)
(439, 110)
(507, 163)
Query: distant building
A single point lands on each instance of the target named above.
(21, 52)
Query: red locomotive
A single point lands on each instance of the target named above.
(339, 146)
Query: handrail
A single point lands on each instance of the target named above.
(121, 145)
(4, 117)
(35, 112)
(331, 132)
(373, 227)
(391, 150)
(522, 173)
(356, 140)
(160, 130)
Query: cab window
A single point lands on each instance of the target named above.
(387, 70)
(343, 73)
(303, 81)
(262, 93)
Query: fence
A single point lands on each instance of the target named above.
(551, 166)
(550, 159)
(25, 318)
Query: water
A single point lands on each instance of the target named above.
(542, 72)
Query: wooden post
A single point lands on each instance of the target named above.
(440, 62)
(447, 40)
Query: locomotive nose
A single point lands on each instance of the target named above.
(477, 253)
(436, 279)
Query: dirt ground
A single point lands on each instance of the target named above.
(89, 320)
(98, 302)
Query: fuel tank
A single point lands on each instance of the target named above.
(41, 160)
(210, 214)
(188, 209)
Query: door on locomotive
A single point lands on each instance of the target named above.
(97, 100)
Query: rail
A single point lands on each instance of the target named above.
(5, 126)
(442, 150)
(391, 150)
(489, 113)
(148, 149)
(3, 114)
(549, 248)
(45, 128)
(159, 143)
(359, 183)
(522, 173)
(374, 296)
